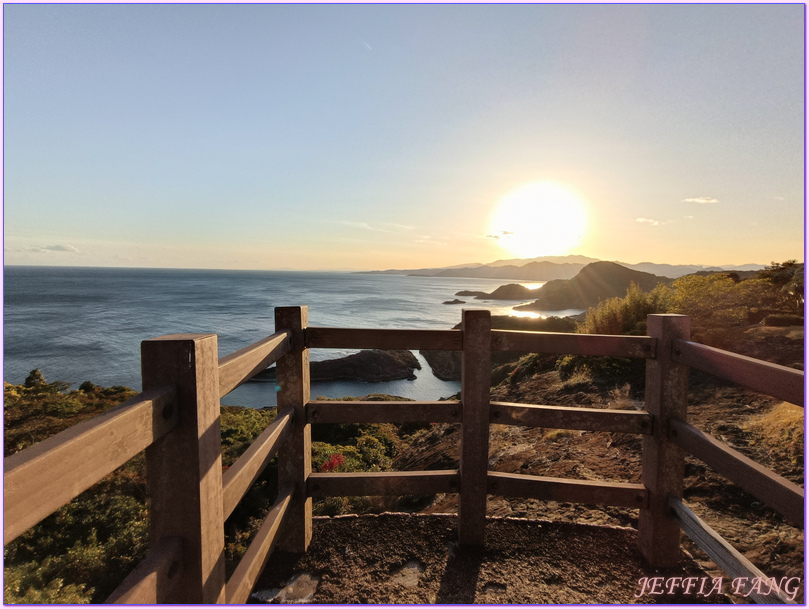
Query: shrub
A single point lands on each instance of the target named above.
(627, 315)
(717, 301)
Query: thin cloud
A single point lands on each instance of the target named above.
(427, 239)
(383, 227)
(649, 221)
(504, 233)
(701, 200)
(401, 227)
(361, 225)
(47, 249)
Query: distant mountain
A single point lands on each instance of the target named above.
(680, 270)
(555, 267)
(596, 282)
(582, 260)
(533, 271)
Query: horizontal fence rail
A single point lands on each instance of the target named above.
(43, 477)
(242, 365)
(382, 483)
(567, 417)
(326, 411)
(776, 491)
(721, 552)
(778, 381)
(591, 492)
(358, 338)
(238, 479)
(565, 343)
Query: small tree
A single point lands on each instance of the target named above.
(787, 278)
(34, 379)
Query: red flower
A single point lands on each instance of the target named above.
(332, 463)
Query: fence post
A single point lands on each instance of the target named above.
(663, 461)
(184, 467)
(475, 390)
(295, 454)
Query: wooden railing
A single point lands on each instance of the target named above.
(176, 421)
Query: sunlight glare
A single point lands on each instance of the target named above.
(538, 219)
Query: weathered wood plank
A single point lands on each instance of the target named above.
(155, 576)
(774, 490)
(563, 417)
(361, 338)
(252, 563)
(591, 492)
(324, 411)
(662, 460)
(476, 369)
(778, 381)
(364, 484)
(721, 552)
(42, 478)
(242, 365)
(184, 467)
(295, 454)
(573, 344)
(238, 479)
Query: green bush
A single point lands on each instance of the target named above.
(627, 315)
(83, 551)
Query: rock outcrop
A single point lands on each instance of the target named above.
(446, 365)
(468, 293)
(370, 366)
(511, 291)
(596, 282)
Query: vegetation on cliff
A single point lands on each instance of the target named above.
(83, 551)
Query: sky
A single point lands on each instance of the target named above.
(361, 137)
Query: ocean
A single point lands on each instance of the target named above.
(77, 324)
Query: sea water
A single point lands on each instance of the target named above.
(77, 324)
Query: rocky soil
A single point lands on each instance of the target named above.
(413, 559)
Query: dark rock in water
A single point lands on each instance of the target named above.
(454, 301)
(512, 291)
(446, 365)
(470, 293)
(371, 366)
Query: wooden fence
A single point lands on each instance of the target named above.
(176, 421)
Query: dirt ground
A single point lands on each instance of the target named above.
(414, 558)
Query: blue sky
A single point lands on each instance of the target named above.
(385, 136)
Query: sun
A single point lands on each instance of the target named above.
(539, 219)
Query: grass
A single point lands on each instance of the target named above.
(781, 431)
